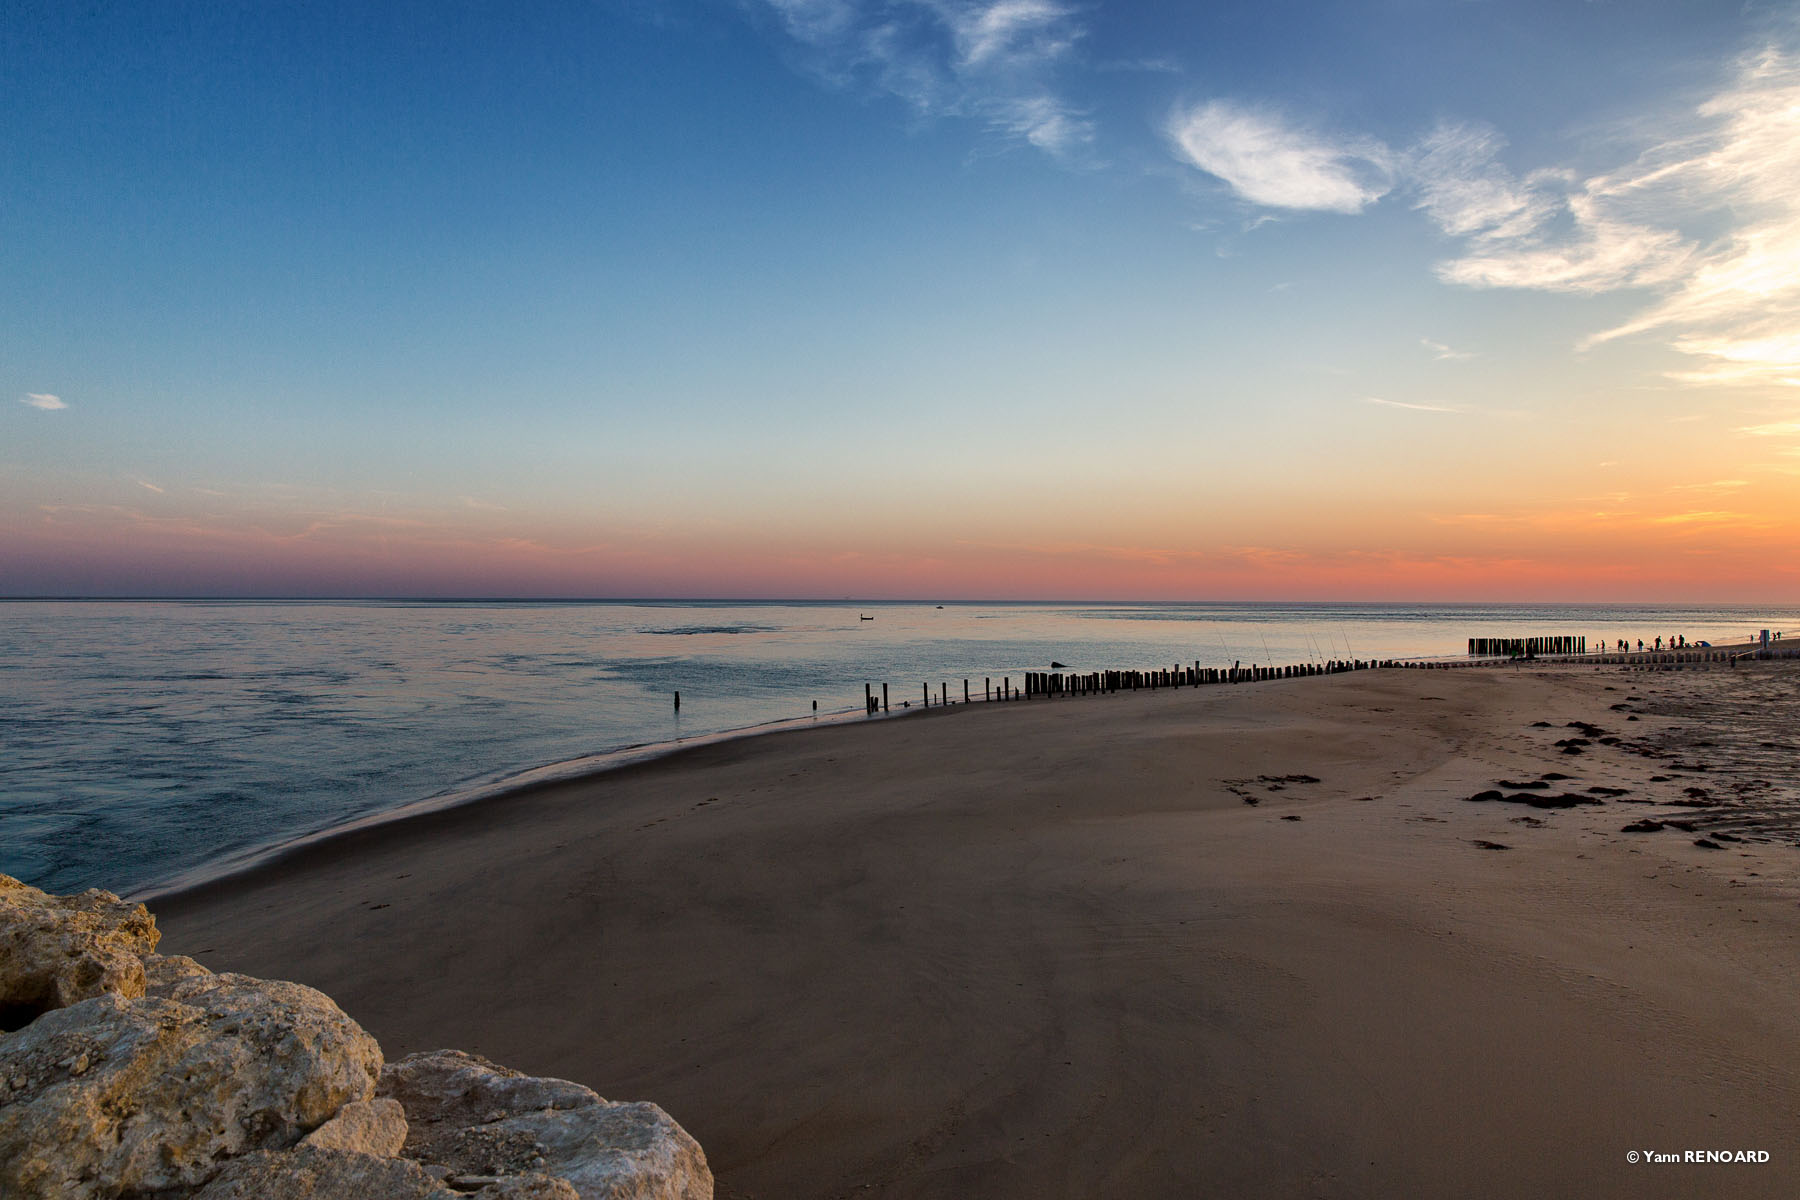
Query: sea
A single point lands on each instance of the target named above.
(145, 744)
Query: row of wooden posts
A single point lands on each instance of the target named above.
(1518, 646)
(1651, 658)
(1051, 684)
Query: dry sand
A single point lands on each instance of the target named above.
(1049, 949)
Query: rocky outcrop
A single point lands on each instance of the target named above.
(483, 1119)
(59, 950)
(116, 1095)
(134, 1074)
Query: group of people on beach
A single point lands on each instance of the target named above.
(1623, 645)
(1677, 641)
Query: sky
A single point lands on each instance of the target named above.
(935, 299)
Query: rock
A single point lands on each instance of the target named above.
(533, 1186)
(366, 1126)
(617, 1152)
(317, 1173)
(60, 950)
(483, 1120)
(453, 1089)
(120, 1096)
(139, 1076)
(164, 971)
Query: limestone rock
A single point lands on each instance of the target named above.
(532, 1186)
(164, 971)
(454, 1088)
(59, 950)
(612, 1151)
(117, 1096)
(367, 1126)
(318, 1173)
(484, 1120)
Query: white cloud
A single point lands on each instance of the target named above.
(1268, 162)
(148, 486)
(1008, 30)
(42, 400)
(1467, 193)
(1443, 353)
(1414, 407)
(1708, 216)
(992, 61)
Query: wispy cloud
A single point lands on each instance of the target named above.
(1772, 429)
(1704, 517)
(43, 400)
(1546, 231)
(1716, 485)
(1708, 216)
(1438, 408)
(1443, 353)
(1009, 30)
(149, 487)
(989, 60)
(1268, 161)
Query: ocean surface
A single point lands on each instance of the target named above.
(146, 741)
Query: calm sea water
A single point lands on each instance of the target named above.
(143, 740)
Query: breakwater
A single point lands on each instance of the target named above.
(1487, 647)
(1052, 684)
(1056, 684)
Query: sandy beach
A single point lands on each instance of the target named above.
(1237, 941)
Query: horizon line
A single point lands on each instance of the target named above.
(851, 600)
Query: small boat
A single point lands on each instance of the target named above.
(865, 618)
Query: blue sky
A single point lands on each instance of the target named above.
(821, 296)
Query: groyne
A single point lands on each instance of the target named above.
(1033, 685)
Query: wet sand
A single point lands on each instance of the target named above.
(1051, 949)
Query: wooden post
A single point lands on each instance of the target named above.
(927, 688)
(884, 703)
